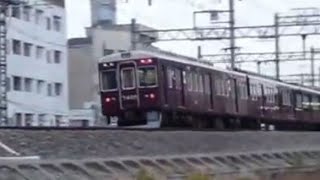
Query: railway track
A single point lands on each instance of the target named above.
(120, 129)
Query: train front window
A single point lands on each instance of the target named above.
(128, 78)
(147, 77)
(108, 80)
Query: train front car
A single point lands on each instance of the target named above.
(129, 90)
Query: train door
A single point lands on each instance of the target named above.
(235, 94)
(165, 84)
(179, 87)
(263, 100)
(129, 91)
(208, 90)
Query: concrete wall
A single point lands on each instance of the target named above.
(81, 66)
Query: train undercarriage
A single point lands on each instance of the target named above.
(170, 119)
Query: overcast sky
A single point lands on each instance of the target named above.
(178, 13)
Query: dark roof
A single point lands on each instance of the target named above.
(79, 41)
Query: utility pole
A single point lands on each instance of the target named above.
(259, 67)
(277, 44)
(312, 67)
(232, 34)
(199, 55)
(304, 37)
(133, 34)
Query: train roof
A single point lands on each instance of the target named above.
(141, 54)
(137, 54)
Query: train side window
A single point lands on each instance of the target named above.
(298, 101)
(108, 80)
(243, 90)
(228, 88)
(286, 99)
(223, 87)
(207, 84)
(170, 76)
(194, 82)
(147, 76)
(189, 81)
(267, 94)
(201, 88)
(253, 92)
(315, 103)
(270, 94)
(178, 79)
(305, 102)
(217, 86)
(128, 78)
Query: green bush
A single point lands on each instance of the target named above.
(144, 175)
(198, 176)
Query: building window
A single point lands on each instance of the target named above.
(57, 57)
(29, 119)
(16, 47)
(18, 119)
(40, 86)
(48, 56)
(28, 84)
(57, 23)
(49, 89)
(26, 13)
(8, 46)
(16, 13)
(39, 52)
(27, 49)
(58, 119)
(17, 83)
(58, 89)
(42, 119)
(38, 16)
(48, 23)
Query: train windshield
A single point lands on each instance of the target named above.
(108, 80)
(147, 76)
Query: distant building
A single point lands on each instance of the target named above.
(84, 54)
(103, 11)
(37, 64)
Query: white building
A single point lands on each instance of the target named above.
(37, 64)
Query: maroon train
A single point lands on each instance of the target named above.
(155, 89)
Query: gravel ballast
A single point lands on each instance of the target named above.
(110, 144)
